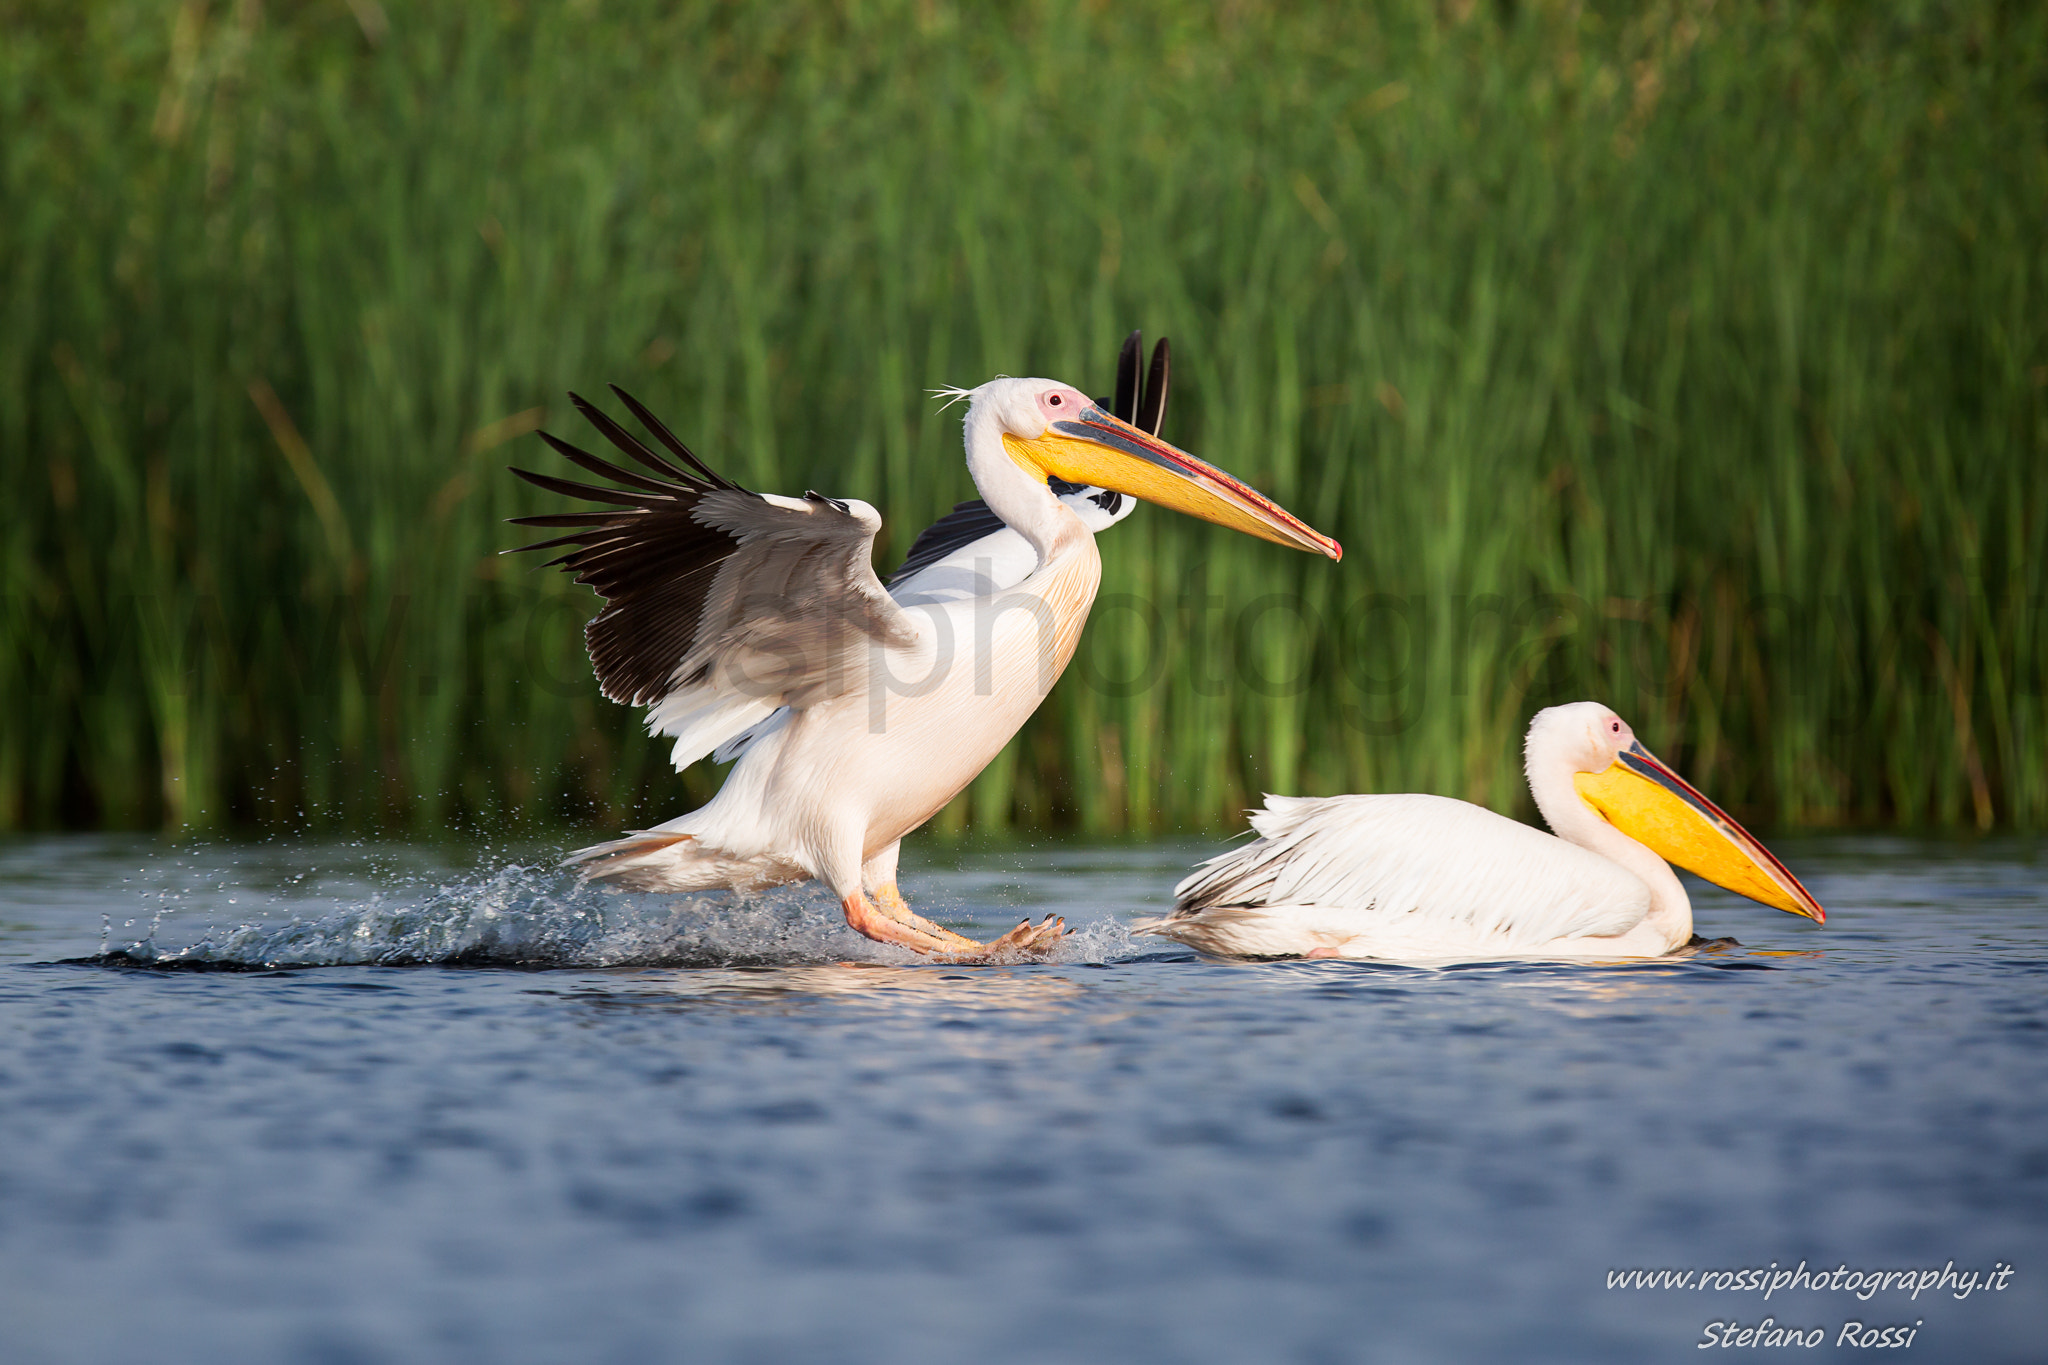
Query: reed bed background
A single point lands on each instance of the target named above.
(1691, 356)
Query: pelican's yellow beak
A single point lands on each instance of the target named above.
(1108, 452)
(1657, 808)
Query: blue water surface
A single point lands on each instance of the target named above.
(338, 1103)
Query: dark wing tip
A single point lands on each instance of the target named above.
(633, 445)
(661, 488)
(565, 487)
(1127, 392)
(1152, 405)
(659, 430)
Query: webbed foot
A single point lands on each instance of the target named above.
(920, 935)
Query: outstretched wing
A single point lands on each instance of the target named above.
(721, 605)
(1141, 403)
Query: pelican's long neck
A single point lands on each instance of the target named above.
(1025, 504)
(1575, 822)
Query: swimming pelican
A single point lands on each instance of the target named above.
(1416, 878)
(724, 606)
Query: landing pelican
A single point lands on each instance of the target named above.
(725, 606)
(1419, 878)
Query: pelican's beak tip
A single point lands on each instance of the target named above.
(1650, 803)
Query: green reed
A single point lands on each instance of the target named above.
(1694, 360)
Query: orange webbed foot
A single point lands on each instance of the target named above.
(920, 935)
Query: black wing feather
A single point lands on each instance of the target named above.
(1151, 409)
(623, 439)
(604, 468)
(567, 519)
(649, 559)
(1126, 406)
(579, 490)
(666, 437)
(968, 522)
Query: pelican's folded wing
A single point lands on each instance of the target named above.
(721, 604)
(967, 523)
(1414, 867)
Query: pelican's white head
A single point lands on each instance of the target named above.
(1023, 408)
(1582, 737)
(1582, 759)
(1048, 430)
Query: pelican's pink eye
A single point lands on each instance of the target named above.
(1061, 404)
(1617, 727)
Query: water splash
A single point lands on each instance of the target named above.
(536, 918)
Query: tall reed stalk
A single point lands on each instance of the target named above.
(1695, 360)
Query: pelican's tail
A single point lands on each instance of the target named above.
(676, 860)
(646, 860)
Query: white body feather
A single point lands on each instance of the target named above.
(1406, 878)
(995, 563)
